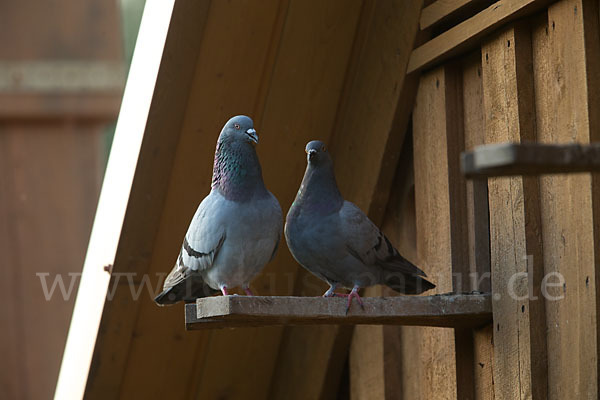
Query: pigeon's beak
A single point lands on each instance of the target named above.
(251, 133)
(311, 153)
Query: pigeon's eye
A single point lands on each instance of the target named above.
(236, 126)
(322, 148)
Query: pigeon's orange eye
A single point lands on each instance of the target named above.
(236, 126)
(322, 148)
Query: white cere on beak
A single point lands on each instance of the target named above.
(252, 135)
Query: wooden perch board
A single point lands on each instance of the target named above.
(450, 310)
(506, 159)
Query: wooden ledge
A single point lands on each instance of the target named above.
(506, 159)
(449, 310)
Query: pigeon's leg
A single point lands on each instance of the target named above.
(330, 291)
(248, 291)
(224, 290)
(354, 293)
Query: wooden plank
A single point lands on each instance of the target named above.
(441, 11)
(505, 159)
(565, 55)
(439, 310)
(477, 222)
(469, 33)
(515, 226)
(400, 377)
(50, 175)
(433, 130)
(99, 107)
(457, 197)
(45, 167)
(477, 190)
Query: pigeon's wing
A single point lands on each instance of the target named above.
(202, 242)
(365, 241)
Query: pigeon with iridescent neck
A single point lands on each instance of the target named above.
(237, 227)
(333, 239)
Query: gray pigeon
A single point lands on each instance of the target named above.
(333, 239)
(237, 227)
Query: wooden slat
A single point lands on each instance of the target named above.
(441, 310)
(459, 237)
(478, 223)
(44, 167)
(440, 11)
(515, 228)
(469, 33)
(566, 62)
(432, 130)
(505, 159)
(100, 107)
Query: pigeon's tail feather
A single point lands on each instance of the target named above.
(398, 264)
(408, 284)
(187, 290)
(166, 298)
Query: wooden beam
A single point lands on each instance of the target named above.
(469, 33)
(441, 11)
(520, 353)
(452, 310)
(505, 159)
(566, 61)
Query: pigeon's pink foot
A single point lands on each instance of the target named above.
(354, 293)
(224, 290)
(248, 292)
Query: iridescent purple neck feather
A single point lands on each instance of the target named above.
(237, 174)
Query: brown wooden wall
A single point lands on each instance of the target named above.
(52, 156)
(335, 71)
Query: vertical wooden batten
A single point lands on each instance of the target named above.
(566, 65)
(478, 222)
(515, 227)
(434, 131)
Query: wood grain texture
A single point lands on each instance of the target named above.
(565, 54)
(505, 159)
(477, 222)
(469, 33)
(49, 187)
(442, 10)
(51, 164)
(93, 107)
(433, 220)
(515, 227)
(440, 310)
